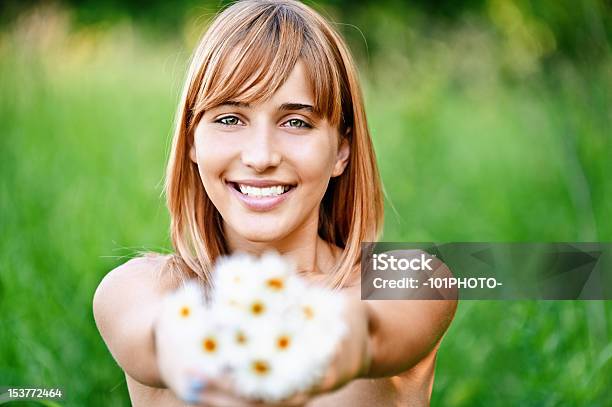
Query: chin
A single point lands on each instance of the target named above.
(259, 233)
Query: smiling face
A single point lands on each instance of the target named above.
(266, 166)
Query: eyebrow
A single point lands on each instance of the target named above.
(284, 106)
(234, 103)
(296, 106)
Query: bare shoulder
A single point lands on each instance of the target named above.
(140, 281)
(141, 276)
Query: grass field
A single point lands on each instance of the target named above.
(472, 146)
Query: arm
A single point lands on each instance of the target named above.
(403, 332)
(125, 306)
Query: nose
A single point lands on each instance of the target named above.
(259, 151)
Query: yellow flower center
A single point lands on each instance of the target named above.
(276, 284)
(283, 342)
(209, 345)
(258, 308)
(241, 338)
(260, 367)
(185, 311)
(308, 312)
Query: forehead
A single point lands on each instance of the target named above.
(296, 88)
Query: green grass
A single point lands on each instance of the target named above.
(466, 153)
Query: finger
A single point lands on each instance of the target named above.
(221, 384)
(219, 399)
(192, 389)
(296, 400)
(219, 391)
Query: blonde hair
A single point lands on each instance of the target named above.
(263, 40)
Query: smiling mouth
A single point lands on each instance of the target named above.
(261, 191)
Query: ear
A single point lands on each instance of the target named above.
(342, 157)
(192, 153)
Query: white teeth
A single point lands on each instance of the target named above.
(261, 192)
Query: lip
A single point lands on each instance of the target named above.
(259, 204)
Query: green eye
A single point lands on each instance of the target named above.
(229, 121)
(298, 123)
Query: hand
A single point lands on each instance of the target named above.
(351, 360)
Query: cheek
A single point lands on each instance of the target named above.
(212, 158)
(315, 160)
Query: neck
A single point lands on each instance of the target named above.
(312, 255)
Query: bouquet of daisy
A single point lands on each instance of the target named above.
(268, 329)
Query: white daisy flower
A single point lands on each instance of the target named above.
(272, 364)
(272, 332)
(192, 332)
(233, 275)
(184, 305)
(319, 312)
(255, 287)
(276, 272)
(209, 347)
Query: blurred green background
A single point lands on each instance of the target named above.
(491, 121)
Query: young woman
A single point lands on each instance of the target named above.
(272, 151)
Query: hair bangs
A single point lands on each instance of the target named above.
(324, 78)
(251, 63)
